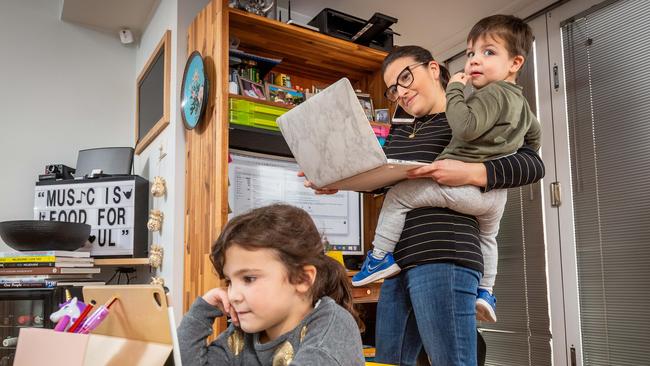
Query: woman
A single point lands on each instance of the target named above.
(431, 302)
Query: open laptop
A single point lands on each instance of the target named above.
(332, 141)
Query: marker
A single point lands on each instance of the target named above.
(96, 319)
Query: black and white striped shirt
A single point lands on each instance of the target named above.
(433, 234)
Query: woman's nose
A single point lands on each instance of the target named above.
(401, 91)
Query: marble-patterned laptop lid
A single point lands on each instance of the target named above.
(330, 137)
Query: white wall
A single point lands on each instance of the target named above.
(62, 88)
(175, 16)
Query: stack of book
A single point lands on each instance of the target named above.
(46, 269)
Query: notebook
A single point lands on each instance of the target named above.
(332, 141)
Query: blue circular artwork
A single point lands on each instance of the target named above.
(194, 91)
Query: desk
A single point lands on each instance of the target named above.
(365, 294)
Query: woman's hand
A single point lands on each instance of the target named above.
(452, 173)
(218, 297)
(317, 190)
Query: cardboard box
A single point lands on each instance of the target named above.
(137, 331)
(37, 346)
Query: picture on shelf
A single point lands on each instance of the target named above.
(251, 89)
(381, 115)
(366, 103)
(281, 94)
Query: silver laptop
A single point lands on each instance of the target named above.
(332, 141)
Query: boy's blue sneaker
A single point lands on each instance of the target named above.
(486, 306)
(374, 269)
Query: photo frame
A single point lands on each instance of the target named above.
(366, 103)
(382, 115)
(153, 95)
(281, 94)
(251, 89)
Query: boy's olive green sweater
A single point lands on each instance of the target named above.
(493, 122)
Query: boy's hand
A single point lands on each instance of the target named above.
(218, 297)
(460, 77)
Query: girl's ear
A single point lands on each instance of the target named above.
(309, 272)
(517, 63)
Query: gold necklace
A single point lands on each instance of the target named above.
(414, 131)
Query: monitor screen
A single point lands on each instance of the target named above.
(258, 180)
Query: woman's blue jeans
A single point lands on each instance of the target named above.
(431, 306)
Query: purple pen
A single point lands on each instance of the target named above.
(96, 318)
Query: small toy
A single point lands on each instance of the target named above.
(68, 312)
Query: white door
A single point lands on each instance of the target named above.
(594, 94)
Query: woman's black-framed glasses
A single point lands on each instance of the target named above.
(404, 79)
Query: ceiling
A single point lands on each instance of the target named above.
(438, 25)
(110, 15)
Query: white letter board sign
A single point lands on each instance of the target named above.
(115, 208)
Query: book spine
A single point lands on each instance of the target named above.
(28, 284)
(27, 264)
(29, 271)
(35, 258)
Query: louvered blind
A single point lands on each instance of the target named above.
(608, 105)
(522, 334)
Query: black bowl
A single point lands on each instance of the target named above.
(44, 235)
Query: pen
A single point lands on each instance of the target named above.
(97, 317)
(81, 318)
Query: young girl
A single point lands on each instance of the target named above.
(289, 303)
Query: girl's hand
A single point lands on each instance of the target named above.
(218, 297)
(452, 173)
(317, 190)
(460, 77)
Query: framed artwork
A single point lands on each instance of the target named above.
(366, 103)
(152, 94)
(281, 94)
(251, 89)
(381, 115)
(194, 91)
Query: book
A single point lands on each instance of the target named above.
(50, 253)
(81, 283)
(27, 284)
(47, 264)
(46, 270)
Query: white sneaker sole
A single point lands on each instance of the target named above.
(484, 311)
(394, 269)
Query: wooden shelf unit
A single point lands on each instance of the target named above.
(311, 59)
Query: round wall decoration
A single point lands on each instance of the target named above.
(194, 91)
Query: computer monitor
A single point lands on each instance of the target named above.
(258, 180)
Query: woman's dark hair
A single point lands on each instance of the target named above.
(417, 53)
(291, 233)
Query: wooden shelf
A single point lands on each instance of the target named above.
(121, 261)
(303, 52)
(261, 101)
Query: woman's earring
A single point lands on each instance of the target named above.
(159, 188)
(155, 220)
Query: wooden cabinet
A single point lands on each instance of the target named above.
(310, 58)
